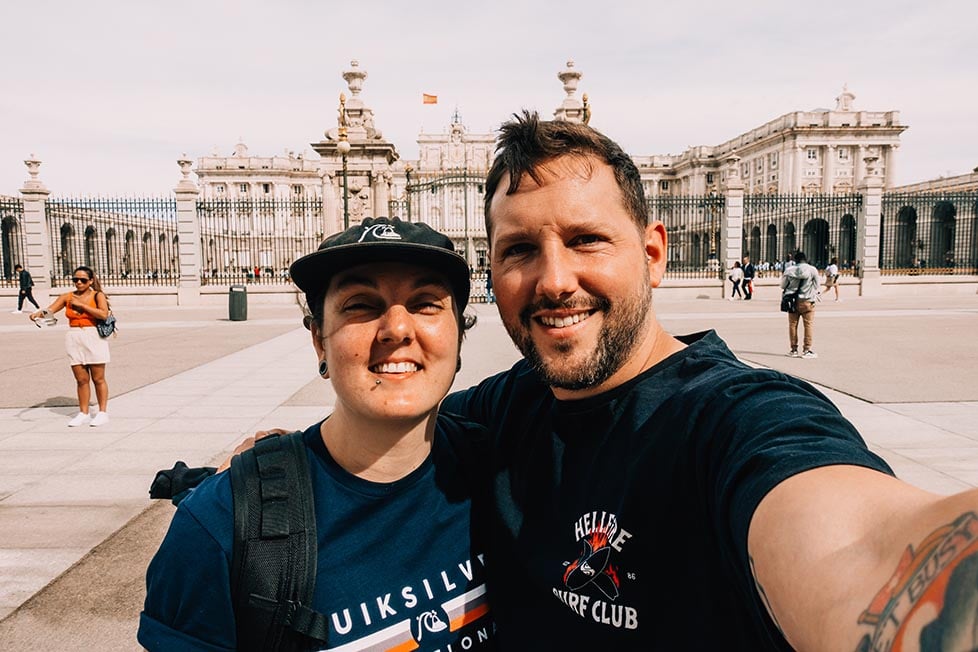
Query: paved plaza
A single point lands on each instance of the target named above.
(77, 527)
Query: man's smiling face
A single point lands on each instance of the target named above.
(570, 272)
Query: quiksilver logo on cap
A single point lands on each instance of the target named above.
(380, 232)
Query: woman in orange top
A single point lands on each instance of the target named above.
(87, 352)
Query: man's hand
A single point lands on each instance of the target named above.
(249, 442)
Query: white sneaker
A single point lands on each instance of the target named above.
(81, 419)
(793, 353)
(809, 355)
(16, 312)
(100, 419)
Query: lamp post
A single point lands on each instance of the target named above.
(343, 147)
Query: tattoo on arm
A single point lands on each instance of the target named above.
(931, 600)
(760, 592)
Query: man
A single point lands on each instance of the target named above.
(749, 273)
(801, 279)
(26, 283)
(652, 492)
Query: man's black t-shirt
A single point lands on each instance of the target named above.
(620, 521)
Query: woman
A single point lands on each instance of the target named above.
(735, 277)
(392, 503)
(87, 352)
(832, 277)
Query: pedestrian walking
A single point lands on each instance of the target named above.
(736, 277)
(802, 280)
(26, 283)
(832, 277)
(88, 353)
(749, 273)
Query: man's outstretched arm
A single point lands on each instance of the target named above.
(846, 558)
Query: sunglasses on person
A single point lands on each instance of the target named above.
(79, 279)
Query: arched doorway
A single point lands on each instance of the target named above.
(771, 247)
(789, 243)
(11, 252)
(67, 247)
(847, 241)
(91, 251)
(905, 239)
(111, 252)
(942, 228)
(815, 242)
(754, 250)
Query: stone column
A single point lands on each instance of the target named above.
(732, 221)
(797, 170)
(188, 234)
(890, 170)
(859, 166)
(381, 192)
(868, 231)
(828, 169)
(38, 254)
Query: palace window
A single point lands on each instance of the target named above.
(297, 191)
(812, 154)
(709, 177)
(266, 188)
(843, 153)
(760, 164)
(745, 170)
(219, 188)
(663, 185)
(243, 188)
(773, 160)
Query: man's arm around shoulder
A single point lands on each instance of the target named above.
(847, 558)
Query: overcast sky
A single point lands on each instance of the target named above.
(109, 93)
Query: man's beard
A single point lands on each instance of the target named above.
(623, 327)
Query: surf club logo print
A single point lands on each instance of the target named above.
(380, 232)
(592, 583)
(599, 534)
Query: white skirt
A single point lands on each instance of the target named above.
(85, 347)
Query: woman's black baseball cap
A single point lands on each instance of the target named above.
(382, 239)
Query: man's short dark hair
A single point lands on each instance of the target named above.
(799, 257)
(16, 267)
(526, 143)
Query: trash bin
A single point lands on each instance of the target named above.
(238, 303)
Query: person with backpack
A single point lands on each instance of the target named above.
(801, 279)
(88, 353)
(397, 563)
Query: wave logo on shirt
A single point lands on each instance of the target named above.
(599, 535)
(429, 621)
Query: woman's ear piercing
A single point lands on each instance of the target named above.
(323, 368)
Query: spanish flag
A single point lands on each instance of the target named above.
(429, 99)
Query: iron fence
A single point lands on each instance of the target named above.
(822, 226)
(255, 240)
(450, 202)
(13, 240)
(693, 233)
(127, 241)
(929, 233)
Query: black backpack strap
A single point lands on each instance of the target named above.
(273, 561)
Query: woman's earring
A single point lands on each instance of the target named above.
(324, 368)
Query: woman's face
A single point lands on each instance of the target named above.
(392, 322)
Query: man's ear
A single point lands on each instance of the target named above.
(655, 251)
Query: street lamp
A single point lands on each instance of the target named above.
(343, 147)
